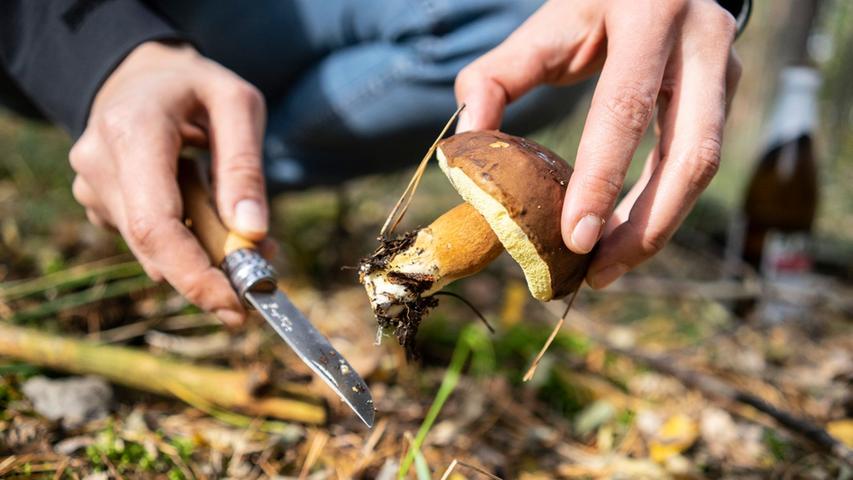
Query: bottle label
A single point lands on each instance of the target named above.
(786, 266)
(786, 255)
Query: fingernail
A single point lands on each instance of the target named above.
(586, 233)
(229, 317)
(607, 275)
(248, 217)
(464, 122)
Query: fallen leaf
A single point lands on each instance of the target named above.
(676, 435)
(842, 430)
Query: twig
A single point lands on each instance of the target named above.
(532, 370)
(715, 387)
(138, 329)
(196, 347)
(225, 388)
(402, 204)
(110, 466)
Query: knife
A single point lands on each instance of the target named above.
(255, 282)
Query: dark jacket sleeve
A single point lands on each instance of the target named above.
(58, 52)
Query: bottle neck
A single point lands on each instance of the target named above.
(794, 112)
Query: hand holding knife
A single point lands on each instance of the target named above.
(255, 281)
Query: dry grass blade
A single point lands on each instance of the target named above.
(60, 470)
(402, 204)
(7, 464)
(532, 370)
(369, 446)
(450, 469)
(91, 295)
(314, 451)
(109, 269)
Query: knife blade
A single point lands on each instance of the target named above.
(255, 282)
(313, 348)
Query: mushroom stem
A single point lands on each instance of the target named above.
(457, 244)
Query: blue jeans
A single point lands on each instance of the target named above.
(357, 86)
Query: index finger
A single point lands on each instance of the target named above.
(622, 107)
(155, 231)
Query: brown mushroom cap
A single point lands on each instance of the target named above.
(518, 186)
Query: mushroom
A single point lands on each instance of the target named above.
(514, 190)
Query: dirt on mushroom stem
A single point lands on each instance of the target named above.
(406, 318)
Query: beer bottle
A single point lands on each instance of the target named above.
(782, 194)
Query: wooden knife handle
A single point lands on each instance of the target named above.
(201, 215)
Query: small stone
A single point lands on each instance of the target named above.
(74, 401)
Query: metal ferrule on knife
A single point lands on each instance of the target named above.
(248, 271)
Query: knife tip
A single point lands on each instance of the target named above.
(368, 416)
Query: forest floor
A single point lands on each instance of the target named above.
(637, 384)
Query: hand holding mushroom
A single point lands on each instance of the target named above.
(514, 190)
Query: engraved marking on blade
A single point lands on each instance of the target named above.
(272, 309)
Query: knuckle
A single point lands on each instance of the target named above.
(245, 93)
(724, 23)
(716, 23)
(652, 241)
(631, 110)
(142, 230)
(82, 154)
(194, 289)
(707, 162)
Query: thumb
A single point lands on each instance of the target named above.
(494, 80)
(236, 130)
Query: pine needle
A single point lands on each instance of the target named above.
(532, 370)
(477, 469)
(405, 200)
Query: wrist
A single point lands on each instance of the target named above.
(147, 57)
(156, 53)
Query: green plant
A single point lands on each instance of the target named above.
(472, 339)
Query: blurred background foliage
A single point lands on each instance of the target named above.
(34, 170)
